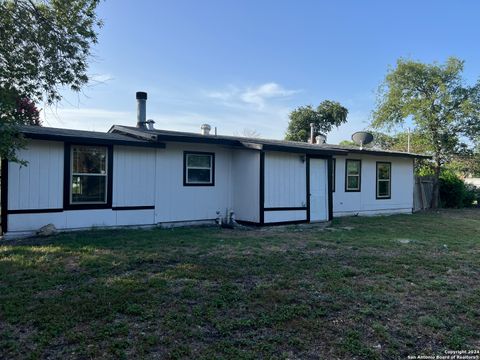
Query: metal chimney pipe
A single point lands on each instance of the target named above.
(141, 109)
(312, 133)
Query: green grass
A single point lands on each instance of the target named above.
(352, 291)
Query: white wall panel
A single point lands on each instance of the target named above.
(281, 216)
(133, 176)
(39, 184)
(365, 202)
(176, 202)
(246, 184)
(135, 217)
(285, 180)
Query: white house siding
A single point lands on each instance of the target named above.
(285, 216)
(133, 176)
(246, 184)
(39, 185)
(285, 186)
(365, 202)
(176, 202)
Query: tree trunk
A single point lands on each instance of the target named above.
(436, 185)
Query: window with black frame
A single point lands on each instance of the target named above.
(384, 180)
(89, 174)
(199, 169)
(353, 175)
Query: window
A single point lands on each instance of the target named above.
(199, 169)
(88, 176)
(384, 180)
(353, 175)
(334, 167)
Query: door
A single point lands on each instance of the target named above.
(318, 190)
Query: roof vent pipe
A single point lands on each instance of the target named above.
(150, 123)
(312, 134)
(320, 139)
(205, 128)
(141, 109)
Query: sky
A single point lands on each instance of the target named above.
(242, 66)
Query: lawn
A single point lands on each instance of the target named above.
(365, 288)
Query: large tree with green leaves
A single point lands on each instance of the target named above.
(326, 116)
(44, 47)
(435, 98)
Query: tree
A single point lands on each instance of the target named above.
(327, 115)
(444, 110)
(44, 46)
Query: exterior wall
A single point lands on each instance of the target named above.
(176, 202)
(365, 202)
(285, 187)
(133, 176)
(246, 185)
(39, 185)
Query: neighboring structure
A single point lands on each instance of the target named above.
(142, 176)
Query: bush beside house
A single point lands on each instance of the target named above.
(455, 193)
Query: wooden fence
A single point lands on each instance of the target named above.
(422, 193)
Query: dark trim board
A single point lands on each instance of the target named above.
(330, 187)
(93, 141)
(57, 210)
(123, 208)
(307, 185)
(4, 196)
(248, 223)
(262, 188)
(292, 208)
(35, 211)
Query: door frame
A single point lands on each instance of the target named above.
(329, 184)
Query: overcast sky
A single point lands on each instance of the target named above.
(245, 64)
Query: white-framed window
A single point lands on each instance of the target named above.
(384, 180)
(198, 168)
(88, 174)
(353, 175)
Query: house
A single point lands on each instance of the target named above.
(133, 176)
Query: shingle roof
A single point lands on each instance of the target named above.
(58, 134)
(295, 146)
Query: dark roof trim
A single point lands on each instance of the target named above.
(300, 150)
(386, 153)
(96, 141)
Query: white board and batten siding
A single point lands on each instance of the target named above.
(40, 186)
(246, 185)
(175, 202)
(134, 184)
(365, 202)
(284, 187)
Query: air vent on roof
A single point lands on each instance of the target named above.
(320, 139)
(205, 129)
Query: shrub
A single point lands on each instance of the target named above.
(471, 196)
(454, 193)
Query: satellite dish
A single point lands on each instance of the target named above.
(362, 138)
